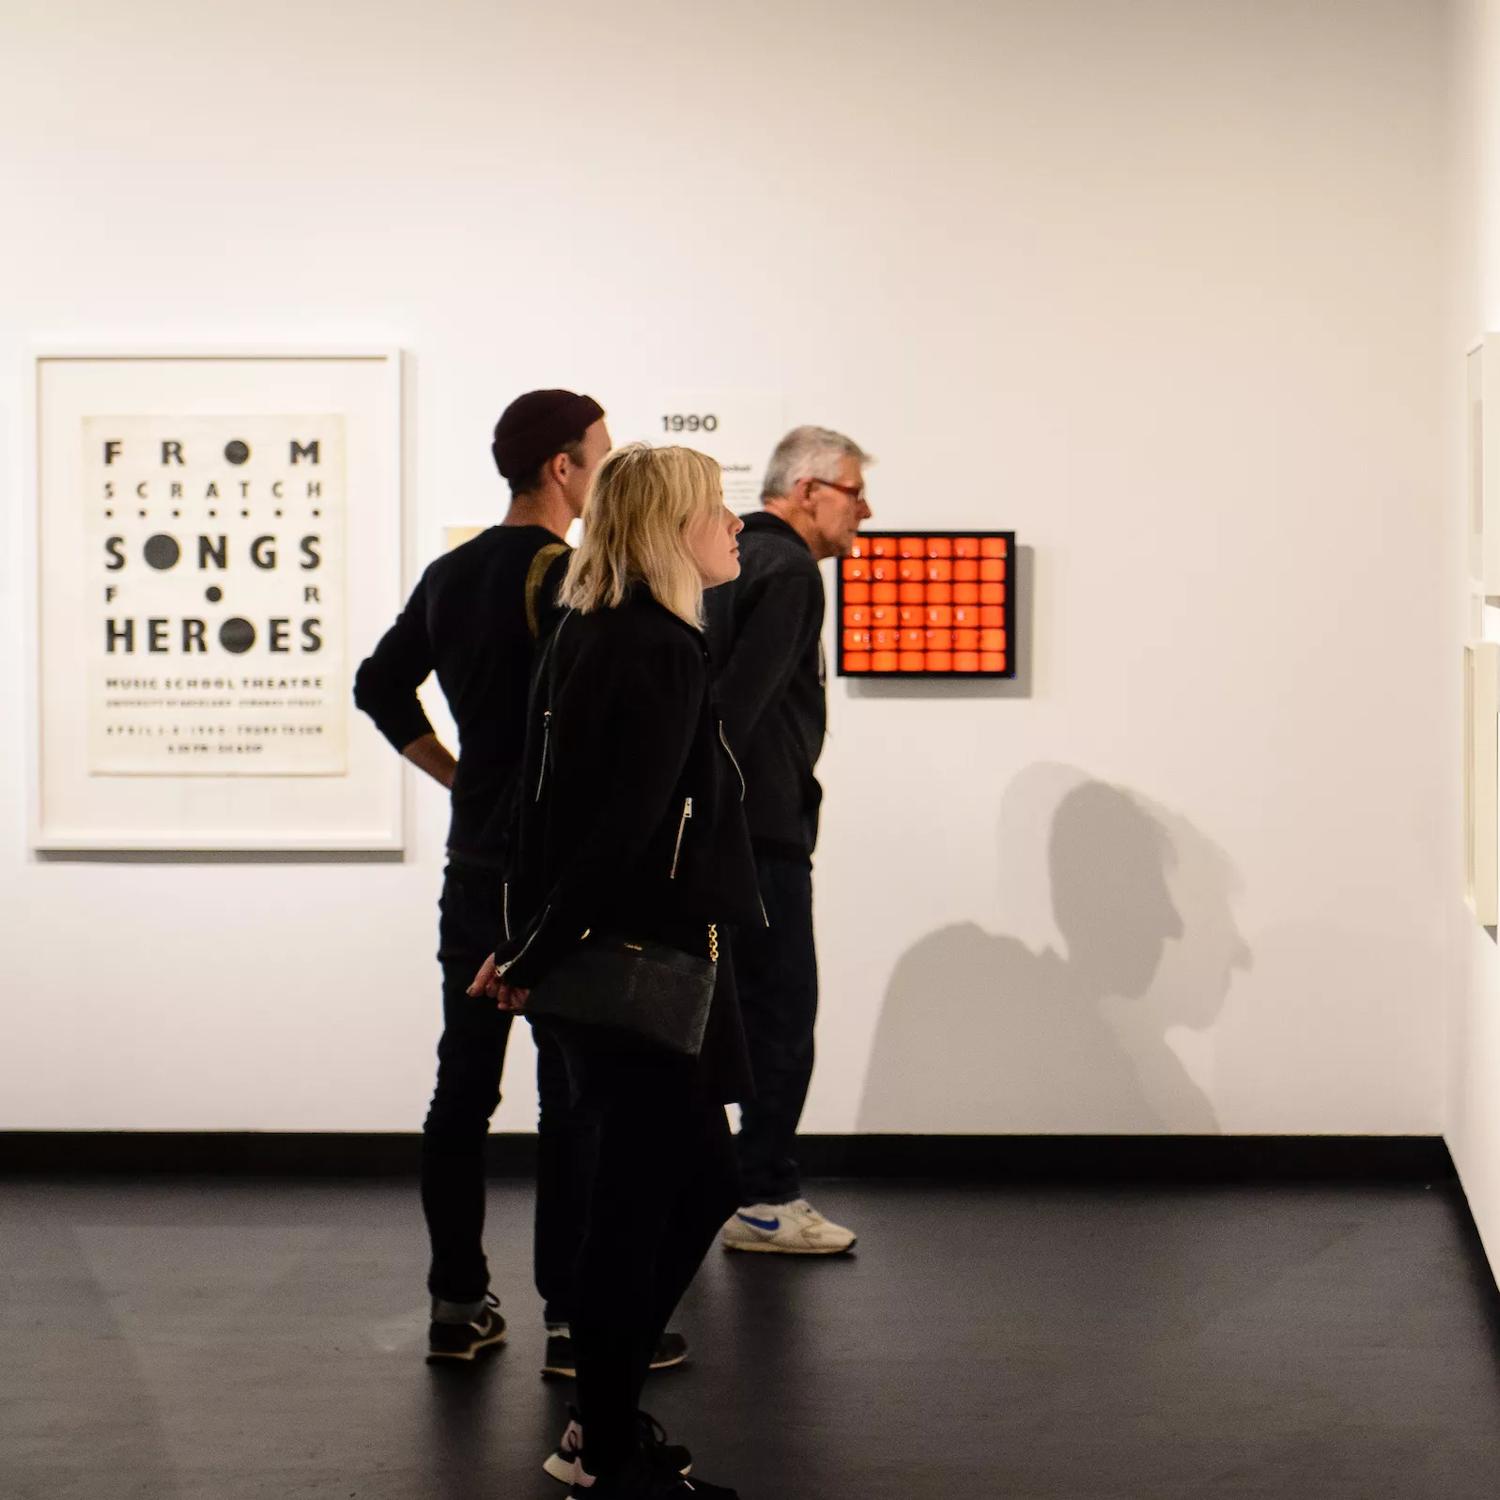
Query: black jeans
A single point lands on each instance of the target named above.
(471, 1056)
(664, 1184)
(776, 970)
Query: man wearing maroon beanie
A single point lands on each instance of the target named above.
(475, 619)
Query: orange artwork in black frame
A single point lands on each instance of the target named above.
(928, 604)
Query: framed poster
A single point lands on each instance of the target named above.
(937, 604)
(217, 544)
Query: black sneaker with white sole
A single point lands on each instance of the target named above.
(641, 1479)
(671, 1351)
(565, 1462)
(449, 1343)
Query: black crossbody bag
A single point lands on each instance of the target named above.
(645, 991)
(648, 992)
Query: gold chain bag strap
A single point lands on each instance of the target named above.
(647, 992)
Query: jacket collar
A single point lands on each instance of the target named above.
(639, 596)
(765, 520)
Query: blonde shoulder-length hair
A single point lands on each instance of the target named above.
(640, 506)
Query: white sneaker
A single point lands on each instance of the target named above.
(565, 1462)
(786, 1229)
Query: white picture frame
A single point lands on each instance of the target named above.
(276, 762)
(1483, 467)
(1482, 781)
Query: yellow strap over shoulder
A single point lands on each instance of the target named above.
(535, 575)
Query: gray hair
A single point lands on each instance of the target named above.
(808, 453)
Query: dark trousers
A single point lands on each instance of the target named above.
(776, 971)
(471, 1055)
(665, 1182)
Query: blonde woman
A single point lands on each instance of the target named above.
(632, 824)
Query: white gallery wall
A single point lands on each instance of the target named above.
(1160, 286)
(1473, 1125)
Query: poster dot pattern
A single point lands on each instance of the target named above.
(928, 604)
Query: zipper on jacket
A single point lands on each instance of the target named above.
(682, 822)
(541, 779)
(506, 967)
(724, 741)
(505, 909)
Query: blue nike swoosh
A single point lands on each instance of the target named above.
(769, 1225)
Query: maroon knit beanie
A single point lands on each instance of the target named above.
(538, 426)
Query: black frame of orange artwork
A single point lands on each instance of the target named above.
(1007, 605)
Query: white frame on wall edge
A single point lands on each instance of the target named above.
(1483, 481)
(358, 807)
(1482, 781)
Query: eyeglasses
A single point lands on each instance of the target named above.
(855, 492)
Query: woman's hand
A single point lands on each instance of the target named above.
(508, 997)
(488, 982)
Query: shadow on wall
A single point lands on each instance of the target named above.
(981, 1033)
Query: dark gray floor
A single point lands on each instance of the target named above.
(191, 1341)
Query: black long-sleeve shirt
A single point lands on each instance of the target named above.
(765, 630)
(467, 621)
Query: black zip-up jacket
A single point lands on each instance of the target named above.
(631, 816)
(766, 635)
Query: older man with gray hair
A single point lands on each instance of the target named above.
(765, 632)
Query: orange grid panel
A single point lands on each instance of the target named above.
(913, 604)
